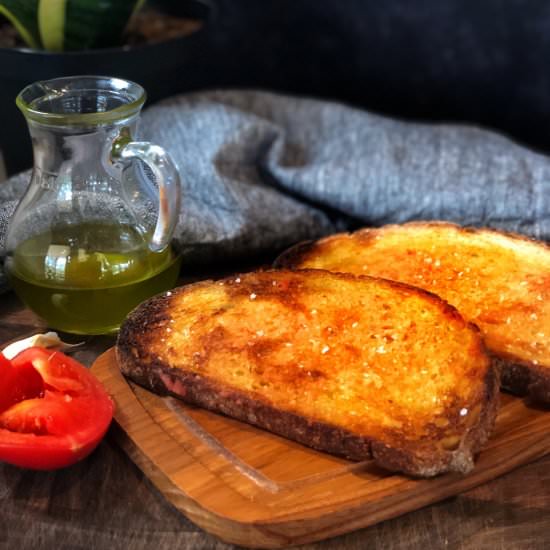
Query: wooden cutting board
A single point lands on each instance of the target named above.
(256, 489)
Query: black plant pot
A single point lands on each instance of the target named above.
(163, 69)
(482, 63)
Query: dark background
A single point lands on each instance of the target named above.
(486, 62)
(482, 62)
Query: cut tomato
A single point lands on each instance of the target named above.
(56, 411)
(18, 383)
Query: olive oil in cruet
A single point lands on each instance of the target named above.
(91, 237)
(81, 280)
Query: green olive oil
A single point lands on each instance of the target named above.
(86, 278)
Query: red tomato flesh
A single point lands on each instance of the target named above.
(54, 411)
(18, 383)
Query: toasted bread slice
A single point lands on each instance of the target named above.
(359, 367)
(500, 282)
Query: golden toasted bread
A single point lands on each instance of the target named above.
(500, 282)
(359, 367)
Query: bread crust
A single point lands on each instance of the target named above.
(517, 375)
(523, 378)
(153, 372)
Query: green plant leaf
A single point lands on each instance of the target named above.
(51, 23)
(138, 5)
(22, 14)
(95, 23)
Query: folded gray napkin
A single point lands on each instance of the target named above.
(261, 171)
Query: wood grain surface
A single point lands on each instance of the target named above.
(254, 488)
(105, 502)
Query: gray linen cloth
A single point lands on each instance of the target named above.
(261, 171)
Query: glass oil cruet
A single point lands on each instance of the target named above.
(90, 239)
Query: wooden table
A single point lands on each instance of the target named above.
(105, 501)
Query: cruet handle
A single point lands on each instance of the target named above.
(167, 177)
